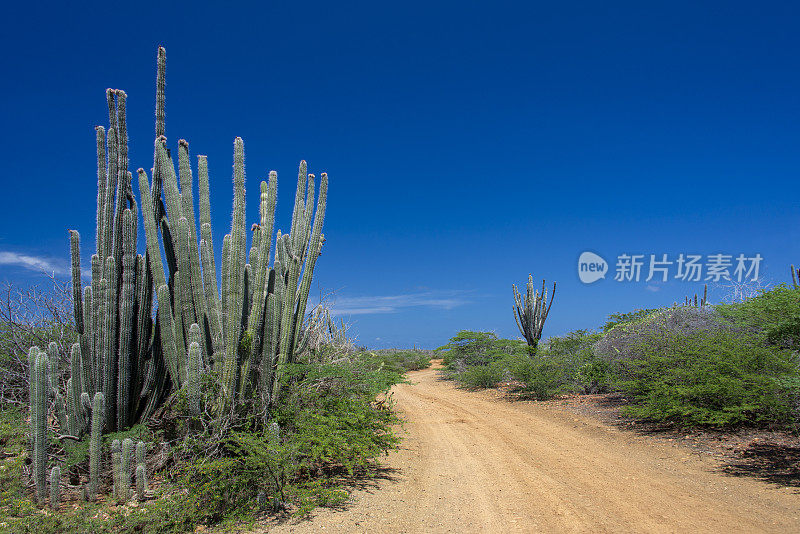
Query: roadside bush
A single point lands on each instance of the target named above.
(593, 376)
(469, 348)
(775, 312)
(480, 376)
(715, 378)
(540, 377)
(404, 360)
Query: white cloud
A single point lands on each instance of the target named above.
(446, 300)
(33, 263)
(652, 288)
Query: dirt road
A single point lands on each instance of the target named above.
(471, 462)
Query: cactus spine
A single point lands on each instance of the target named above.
(531, 313)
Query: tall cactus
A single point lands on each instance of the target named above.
(129, 357)
(531, 313)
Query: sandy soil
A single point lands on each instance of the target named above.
(473, 462)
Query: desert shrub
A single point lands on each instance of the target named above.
(480, 376)
(469, 348)
(403, 360)
(616, 319)
(251, 473)
(623, 340)
(333, 416)
(593, 376)
(718, 378)
(540, 377)
(775, 312)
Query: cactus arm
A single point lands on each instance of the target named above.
(87, 341)
(77, 290)
(97, 304)
(125, 469)
(40, 395)
(167, 172)
(235, 278)
(268, 201)
(205, 206)
(313, 253)
(287, 324)
(184, 266)
(127, 296)
(101, 185)
(111, 185)
(94, 445)
(161, 70)
(193, 376)
(107, 354)
(151, 231)
(116, 457)
(212, 297)
(167, 331)
(299, 202)
(74, 390)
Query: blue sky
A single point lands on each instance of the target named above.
(467, 143)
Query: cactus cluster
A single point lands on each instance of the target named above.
(149, 326)
(531, 312)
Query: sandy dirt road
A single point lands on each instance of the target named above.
(473, 462)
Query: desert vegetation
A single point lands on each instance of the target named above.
(695, 364)
(171, 393)
(153, 385)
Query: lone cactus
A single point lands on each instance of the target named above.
(531, 313)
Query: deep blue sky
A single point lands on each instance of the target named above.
(467, 143)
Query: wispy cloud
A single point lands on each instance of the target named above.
(446, 300)
(33, 263)
(653, 288)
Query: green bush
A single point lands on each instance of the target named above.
(593, 376)
(469, 348)
(401, 361)
(332, 414)
(717, 378)
(541, 377)
(480, 376)
(775, 312)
